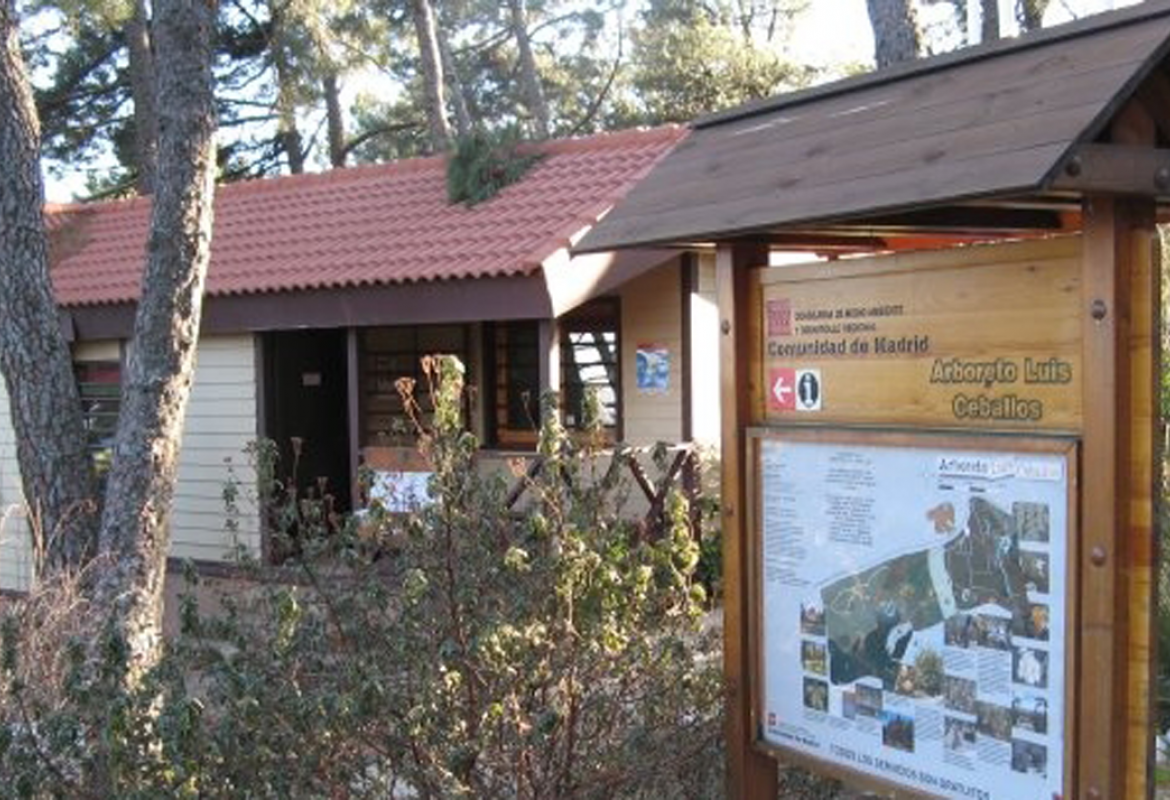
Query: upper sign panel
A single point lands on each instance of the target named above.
(983, 337)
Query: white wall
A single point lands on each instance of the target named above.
(16, 550)
(15, 546)
(221, 420)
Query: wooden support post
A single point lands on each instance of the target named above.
(688, 286)
(751, 775)
(260, 361)
(1120, 290)
(1147, 455)
(549, 344)
(354, 410)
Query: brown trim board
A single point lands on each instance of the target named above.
(543, 294)
(520, 297)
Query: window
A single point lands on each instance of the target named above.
(519, 351)
(100, 385)
(387, 354)
(591, 360)
(513, 353)
(590, 350)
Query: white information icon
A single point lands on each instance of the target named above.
(809, 391)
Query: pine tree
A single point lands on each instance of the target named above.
(895, 31)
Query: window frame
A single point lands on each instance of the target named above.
(599, 316)
(371, 389)
(100, 450)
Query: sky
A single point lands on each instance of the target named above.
(832, 33)
(837, 31)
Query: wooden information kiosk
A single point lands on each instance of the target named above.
(969, 470)
(939, 438)
(911, 519)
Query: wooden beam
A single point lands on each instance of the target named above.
(354, 412)
(841, 241)
(688, 286)
(966, 219)
(1115, 558)
(1143, 426)
(1115, 169)
(260, 370)
(1135, 236)
(751, 775)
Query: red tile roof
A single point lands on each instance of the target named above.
(362, 226)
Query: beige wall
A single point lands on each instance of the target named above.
(221, 421)
(16, 551)
(652, 314)
(106, 350)
(705, 423)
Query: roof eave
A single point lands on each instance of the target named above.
(591, 244)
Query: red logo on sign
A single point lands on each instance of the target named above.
(779, 317)
(782, 389)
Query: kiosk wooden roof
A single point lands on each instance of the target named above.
(994, 140)
(1062, 131)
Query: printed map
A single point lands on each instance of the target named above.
(871, 616)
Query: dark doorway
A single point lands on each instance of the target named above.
(306, 402)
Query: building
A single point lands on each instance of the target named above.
(325, 289)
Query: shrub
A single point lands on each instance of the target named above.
(458, 650)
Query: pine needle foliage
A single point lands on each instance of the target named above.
(484, 163)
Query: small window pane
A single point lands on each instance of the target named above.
(590, 361)
(388, 354)
(99, 383)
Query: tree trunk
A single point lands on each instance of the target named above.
(896, 36)
(142, 87)
(288, 133)
(140, 486)
(989, 11)
(34, 357)
(746, 15)
(529, 79)
(458, 98)
(331, 88)
(1030, 14)
(432, 72)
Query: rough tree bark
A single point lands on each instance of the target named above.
(432, 71)
(142, 88)
(896, 36)
(529, 78)
(331, 88)
(989, 29)
(34, 357)
(140, 486)
(458, 98)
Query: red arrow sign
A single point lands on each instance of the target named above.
(782, 395)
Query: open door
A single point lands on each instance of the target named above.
(306, 400)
